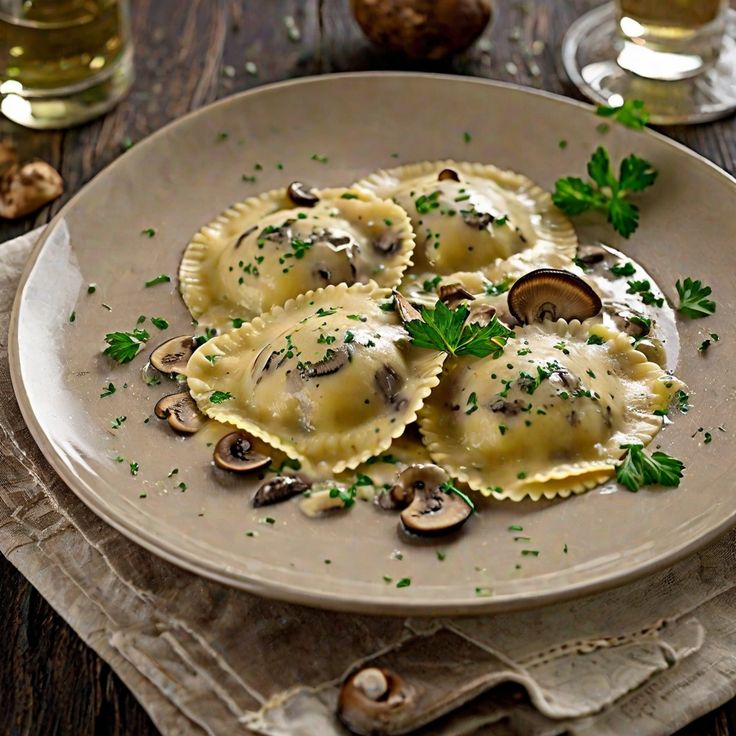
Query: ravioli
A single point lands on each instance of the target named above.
(330, 378)
(549, 417)
(266, 250)
(475, 222)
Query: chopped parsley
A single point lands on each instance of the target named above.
(498, 288)
(348, 195)
(644, 289)
(149, 232)
(122, 347)
(319, 158)
(472, 403)
(427, 202)
(562, 144)
(134, 468)
(623, 269)
(73, 317)
(605, 192)
(162, 279)
(217, 397)
(237, 322)
(637, 469)
(694, 302)
(91, 288)
(325, 312)
(159, 322)
(445, 329)
(449, 487)
(441, 556)
(631, 114)
(431, 285)
(108, 390)
(404, 583)
(595, 340)
(118, 422)
(467, 137)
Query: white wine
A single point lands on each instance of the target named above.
(65, 57)
(670, 40)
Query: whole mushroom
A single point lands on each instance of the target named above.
(423, 29)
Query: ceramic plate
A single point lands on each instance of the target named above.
(185, 174)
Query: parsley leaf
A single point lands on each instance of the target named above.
(159, 322)
(606, 192)
(162, 279)
(693, 299)
(444, 329)
(124, 346)
(643, 289)
(632, 114)
(217, 397)
(637, 469)
(623, 269)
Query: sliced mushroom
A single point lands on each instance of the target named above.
(333, 361)
(627, 320)
(446, 174)
(278, 489)
(481, 314)
(372, 700)
(405, 310)
(549, 293)
(181, 411)
(389, 383)
(235, 452)
(478, 220)
(590, 255)
(173, 355)
(432, 510)
(408, 482)
(301, 194)
(388, 244)
(453, 294)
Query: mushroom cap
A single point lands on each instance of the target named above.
(173, 355)
(181, 411)
(374, 701)
(235, 452)
(423, 29)
(404, 308)
(448, 174)
(301, 194)
(453, 294)
(431, 510)
(278, 489)
(549, 293)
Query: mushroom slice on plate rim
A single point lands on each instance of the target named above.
(173, 355)
(181, 411)
(235, 452)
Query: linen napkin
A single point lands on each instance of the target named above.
(202, 658)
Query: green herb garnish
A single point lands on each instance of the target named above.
(445, 329)
(159, 322)
(162, 279)
(694, 302)
(631, 114)
(623, 269)
(124, 346)
(498, 288)
(108, 390)
(644, 289)
(217, 397)
(449, 487)
(149, 231)
(606, 192)
(638, 469)
(404, 583)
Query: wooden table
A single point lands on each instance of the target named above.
(188, 54)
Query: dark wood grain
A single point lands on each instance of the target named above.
(188, 54)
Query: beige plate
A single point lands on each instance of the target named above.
(185, 174)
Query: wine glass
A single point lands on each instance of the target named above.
(678, 56)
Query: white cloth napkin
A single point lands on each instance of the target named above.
(202, 658)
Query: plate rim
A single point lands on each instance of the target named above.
(289, 593)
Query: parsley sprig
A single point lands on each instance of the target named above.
(638, 469)
(632, 114)
(122, 347)
(606, 192)
(445, 329)
(694, 302)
